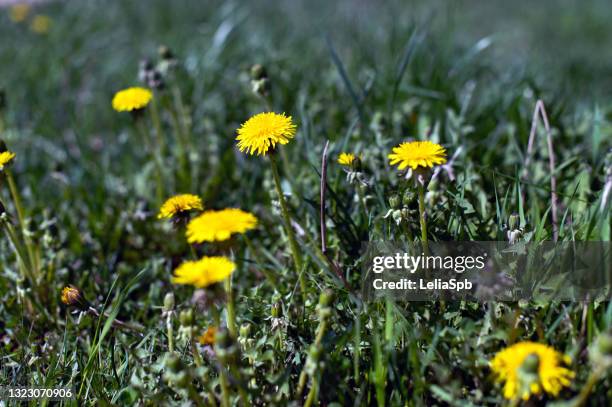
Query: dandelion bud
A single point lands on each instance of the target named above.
(258, 71)
(513, 221)
(408, 197)
(604, 344)
(186, 317)
(276, 310)
(169, 302)
(165, 52)
(326, 298)
(394, 202)
(173, 363)
(73, 297)
(245, 330)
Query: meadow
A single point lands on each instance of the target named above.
(108, 289)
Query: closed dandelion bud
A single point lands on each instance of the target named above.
(604, 343)
(394, 202)
(186, 317)
(601, 351)
(513, 221)
(276, 311)
(258, 71)
(326, 298)
(408, 197)
(169, 302)
(245, 330)
(173, 362)
(165, 52)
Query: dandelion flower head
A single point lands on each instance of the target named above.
(5, 158)
(179, 205)
(72, 296)
(19, 12)
(217, 226)
(208, 337)
(131, 99)
(263, 131)
(40, 24)
(203, 272)
(549, 374)
(417, 154)
(346, 158)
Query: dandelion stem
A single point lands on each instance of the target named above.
(223, 380)
(16, 199)
(157, 162)
(231, 312)
(288, 228)
(423, 219)
(170, 332)
(21, 218)
(588, 387)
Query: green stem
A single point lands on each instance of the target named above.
(588, 387)
(170, 332)
(16, 199)
(223, 380)
(231, 312)
(21, 218)
(21, 256)
(159, 181)
(159, 138)
(423, 219)
(288, 228)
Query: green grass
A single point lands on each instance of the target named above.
(363, 76)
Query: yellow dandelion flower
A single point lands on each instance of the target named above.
(131, 99)
(73, 297)
(19, 12)
(5, 158)
(208, 337)
(417, 154)
(40, 24)
(263, 131)
(216, 226)
(528, 368)
(203, 272)
(346, 158)
(179, 205)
